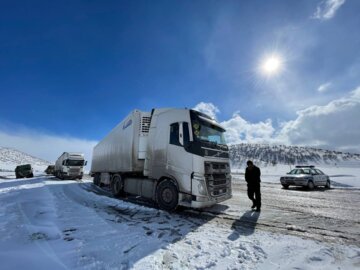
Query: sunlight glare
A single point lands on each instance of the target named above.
(271, 65)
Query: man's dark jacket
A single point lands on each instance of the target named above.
(252, 177)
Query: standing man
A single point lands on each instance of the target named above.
(252, 177)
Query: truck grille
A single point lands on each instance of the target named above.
(217, 176)
(74, 171)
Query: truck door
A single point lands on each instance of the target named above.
(179, 162)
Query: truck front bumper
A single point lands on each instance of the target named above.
(202, 201)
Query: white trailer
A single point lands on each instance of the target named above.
(70, 166)
(173, 156)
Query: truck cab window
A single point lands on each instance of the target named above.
(174, 134)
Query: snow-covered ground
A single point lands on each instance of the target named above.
(51, 224)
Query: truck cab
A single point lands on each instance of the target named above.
(70, 166)
(189, 147)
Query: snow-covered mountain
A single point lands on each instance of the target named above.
(10, 158)
(270, 155)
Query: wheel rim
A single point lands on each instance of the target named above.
(311, 185)
(117, 186)
(167, 195)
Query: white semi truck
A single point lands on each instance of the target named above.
(70, 166)
(172, 156)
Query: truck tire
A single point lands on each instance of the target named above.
(167, 195)
(97, 180)
(117, 185)
(285, 186)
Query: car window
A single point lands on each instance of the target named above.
(300, 171)
(313, 171)
(292, 171)
(307, 171)
(318, 171)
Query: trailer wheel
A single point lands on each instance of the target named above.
(167, 195)
(97, 179)
(117, 185)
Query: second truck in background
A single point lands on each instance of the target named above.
(173, 156)
(70, 166)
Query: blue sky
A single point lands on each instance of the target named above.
(74, 69)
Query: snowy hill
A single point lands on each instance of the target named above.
(10, 158)
(271, 155)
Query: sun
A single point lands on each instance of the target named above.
(271, 65)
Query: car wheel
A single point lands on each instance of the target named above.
(328, 184)
(285, 186)
(310, 185)
(117, 185)
(167, 195)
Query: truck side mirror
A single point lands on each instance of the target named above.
(63, 163)
(181, 134)
(85, 162)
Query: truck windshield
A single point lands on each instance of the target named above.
(72, 162)
(205, 131)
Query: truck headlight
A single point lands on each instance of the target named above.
(199, 183)
(201, 188)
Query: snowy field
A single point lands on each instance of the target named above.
(51, 224)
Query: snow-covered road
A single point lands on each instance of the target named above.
(51, 224)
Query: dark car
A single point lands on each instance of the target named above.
(50, 169)
(306, 176)
(22, 171)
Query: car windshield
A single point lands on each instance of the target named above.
(73, 162)
(206, 131)
(300, 171)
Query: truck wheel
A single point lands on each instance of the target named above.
(117, 185)
(328, 185)
(310, 185)
(97, 179)
(285, 186)
(167, 195)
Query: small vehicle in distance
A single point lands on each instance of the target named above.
(305, 176)
(23, 171)
(50, 169)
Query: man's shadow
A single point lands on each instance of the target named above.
(245, 225)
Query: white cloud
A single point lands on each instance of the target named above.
(207, 108)
(332, 126)
(324, 87)
(239, 130)
(45, 146)
(327, 9)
